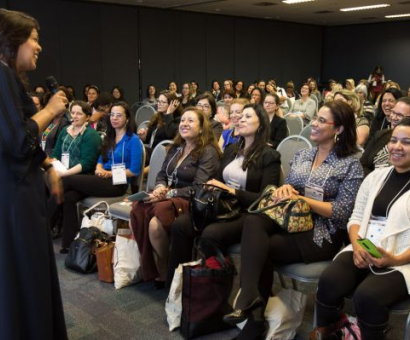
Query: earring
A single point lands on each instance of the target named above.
(336, 138)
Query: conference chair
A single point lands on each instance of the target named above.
(287, 149)
(294, 123)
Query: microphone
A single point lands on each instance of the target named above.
(52, 85)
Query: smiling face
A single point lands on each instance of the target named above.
(399, 111)
(78, 116)
(249, 123)
(304, 91)
(216, 86)
(235, 113)
(323, 129)
(227, 85)
(239, 86)
(256, 97)
(185, 89)
(27, 54)
(189, 127)
(116, 93)
(172, 87)
(388, 103)
(118, 117)
(399, 148)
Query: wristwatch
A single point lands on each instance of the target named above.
(171, 193)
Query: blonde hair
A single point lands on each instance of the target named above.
(354, 101)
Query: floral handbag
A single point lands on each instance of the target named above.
(291, 215)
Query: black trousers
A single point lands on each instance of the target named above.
(78, 187)
(372, 294)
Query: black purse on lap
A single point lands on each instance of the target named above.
(209, 206)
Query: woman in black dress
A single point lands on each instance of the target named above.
(30, 299)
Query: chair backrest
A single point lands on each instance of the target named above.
(137, 182)
(144, 113)
(135, 107)
(306, 133)
(287, 149)
(157, 159)
(143, 125)
(294, 123)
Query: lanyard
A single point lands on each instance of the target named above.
(123, 148)
(394, 198)
(48, 130)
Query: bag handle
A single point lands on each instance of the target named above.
(191, 198)
(213, 186)
(107, 210)
(217, 252)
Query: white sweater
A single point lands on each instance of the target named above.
(396, 234)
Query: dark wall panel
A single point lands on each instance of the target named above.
(159, 48)
(120, 49)
(354, 51)
(220, 42)
(247, 53)
(191, 61)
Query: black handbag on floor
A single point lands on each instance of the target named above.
(208, 206)
(81, 257)
(205, 292)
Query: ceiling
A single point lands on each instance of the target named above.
(319, 12)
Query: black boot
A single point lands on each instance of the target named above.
(373, 332)
(327, 315)
(330, 321)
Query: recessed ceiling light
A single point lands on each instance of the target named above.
(289, 2)
(397, 16)
(364, 8)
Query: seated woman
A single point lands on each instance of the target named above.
(92, 94)
(151, 96)
(50, 135)
(78, 145)
(186, 95)
(327, 177)
(120, 160)
(381, 120)
(206, 102)
(381, 214)
(305, 107)
(362, 124)
(368, 107)
(193, 158)
(118, 94)
(164, 124)
(257, 96)
(232, 136)
(278, 127)
(375, 155)
(247, 168)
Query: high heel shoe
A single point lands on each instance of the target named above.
(239, 315)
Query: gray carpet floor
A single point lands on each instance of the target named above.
(95, 310)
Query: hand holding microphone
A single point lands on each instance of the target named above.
(58, 100)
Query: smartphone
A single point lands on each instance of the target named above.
(369, 247)
(139, 196)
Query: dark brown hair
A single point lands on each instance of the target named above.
(206, 136)
(158, 118)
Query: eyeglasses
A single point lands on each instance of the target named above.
(322, 121)
(398, 115)
(162, 102)
(201, 106)
(116, 115)
(269, 103)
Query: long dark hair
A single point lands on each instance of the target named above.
(158, 118)
(252, 154)
(109, 139)
(206, 136)
(379, 116)
(15, 29)
(343, 115)
(211, 100)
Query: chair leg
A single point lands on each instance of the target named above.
(282, 280)
(314, 316)
(407, 328)
(294, 284)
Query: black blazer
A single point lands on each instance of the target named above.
(278, 130)
(374, 145)
(266, 171)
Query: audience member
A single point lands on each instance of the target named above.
(315, 91)
(195, 89)
(92, 94)
(151, 96)
(192, 159)
(368, 107)
(278, 127)
(100, 109)
(173, 88)
(228, 96)
(376, 154)
(122, 151)
(257, 96)
(186, 95)
(350, 84)
(231, 136)
(118, 94)
(327, 177)
(228, 84)
(381, 215)
(216, 90)
(376, 81)
(207, 104)
(240, 90)
(305, 107)
(247, 168)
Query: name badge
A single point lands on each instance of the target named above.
(375, 230)
(119, 174)
(65, 159)
(314, 192)
(233, 184)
